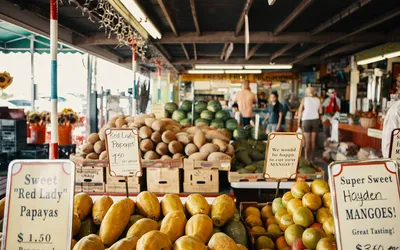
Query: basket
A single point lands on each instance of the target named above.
(367, 122)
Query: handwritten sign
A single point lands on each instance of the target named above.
(158, 110)
(283, 154)
(366, 204)
(394, 152)
(39, 205)
(123, 152)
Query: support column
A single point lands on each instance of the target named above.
(134, 69)
(354, 80)
(33, 89)
(89, 98)
(158, 82)
(54, 95)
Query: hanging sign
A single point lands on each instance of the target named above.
(246, 35)
(282, 156)
(366, 204)
(394, 152)
(158, 110)
(123, 152)
(39, 205)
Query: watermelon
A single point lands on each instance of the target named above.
(231, 124)
(222, 115)
(186, 122)
(214, 106)
(179, 115)
(207, 114)
(201, 121)
(186, 106)
(240, 134)
(217, 123)
(196, 115)
(171, 107)
(200, 106)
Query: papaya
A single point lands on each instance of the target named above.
(171, 202)
(87, 227)
(154, 240)
(116, 220)
(237, 231)
(73, 243)
(189, 242)
(142, 227)
(148, 205)
(221, 241)
(222, 210)
(2, 205)
(90, 242)
(82, 205)
(197, 204)
(100, 208)
(201, 226)
(132, 221)
(173, 225)
(76, 224)
(125, 244)
(241, 247)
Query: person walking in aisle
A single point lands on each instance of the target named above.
(286, 108)
(309, 119)
(245, 99)
(236, 114)
(275, 114)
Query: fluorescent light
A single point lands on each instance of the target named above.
(269, 66)
(243, 71)
(140, 16)
(205, 71)
(393, 54)
(371, 60)
(217, 66)
(271, 2)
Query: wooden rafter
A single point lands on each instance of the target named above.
(195, 19)
(289, 19)
(184, 50)
(345, 49)
(195, 51)
(224, 50)
(282, 51)
(253, 50)
(239, 60)
(164, 51)
(168, 17)
(240, 23)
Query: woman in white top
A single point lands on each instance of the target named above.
(309, 118)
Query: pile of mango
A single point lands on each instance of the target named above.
(148, 224)
(249, 156)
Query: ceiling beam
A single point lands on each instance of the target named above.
(184, 50)
(245, 10)
(281, 51)
(239, 60)
(194, 14)
(289, 19)
(376, 21)
(195, 51)
(253, 50)
(224, 50)
(345, 49)
(163, 50)
(165, 58)
(168, 17)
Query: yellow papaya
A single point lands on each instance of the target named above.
(125, 244)
(222, 210)
(189, 242)
(73, 243)
(100, 208)
(197, 204)
(82, 205)
(115, 221)
(241, 247)
(171, 202)
(173, 225)
(154, 240)
(148, 205)
(132, 221)
(142, 227)
(76, 224)
(201, 226)
(2, 206)
(90, 242)
(221, 241)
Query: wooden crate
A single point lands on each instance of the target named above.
(236, 177)
(89, 187)
(117, 184)
(89, 175)
(163, 176)
(221, 165)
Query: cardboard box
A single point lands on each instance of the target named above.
(193, 164)
(90, 187)
(162, 163)
(236, 177)
(132, 180)
(201, 180)
(89, 174)
(163, 180)
(121, 188)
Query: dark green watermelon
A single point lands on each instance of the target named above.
(196, 115)
(217, 123)
(171, 107)
(214, 106)
(207, 114)
(231, 124)
(222, 115)
(186, 122)
(186, 106)
(240, 134)
(200, 106)
(201, 121)
(179, 115)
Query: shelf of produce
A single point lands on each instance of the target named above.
(359, 136)
(263, 185)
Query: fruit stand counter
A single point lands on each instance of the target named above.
(359, 136)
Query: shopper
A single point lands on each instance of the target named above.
(236, 114)
(275, 114)
(262, 100)
(392, 121)
(245, 99)
(309, 119)
(286, 108)
(331, 105)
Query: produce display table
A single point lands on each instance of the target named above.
(263, 185)
(359, 135)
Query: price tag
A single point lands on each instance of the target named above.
(158, 110)
(394, 152)
(39, 205)
(282, 156)
(366, 204)
(123, 152)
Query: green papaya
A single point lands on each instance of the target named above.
(237, 231)
(243, 157)
(87, 227)
(256, 156)
(306, 170)
(252, 168)
(244, 171)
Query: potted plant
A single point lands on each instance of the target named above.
(37, 126)
(67, 120)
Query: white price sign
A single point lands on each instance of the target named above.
(123, 152)
(39, 205)
(282, 156)
(394, 152)
(366, 204)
